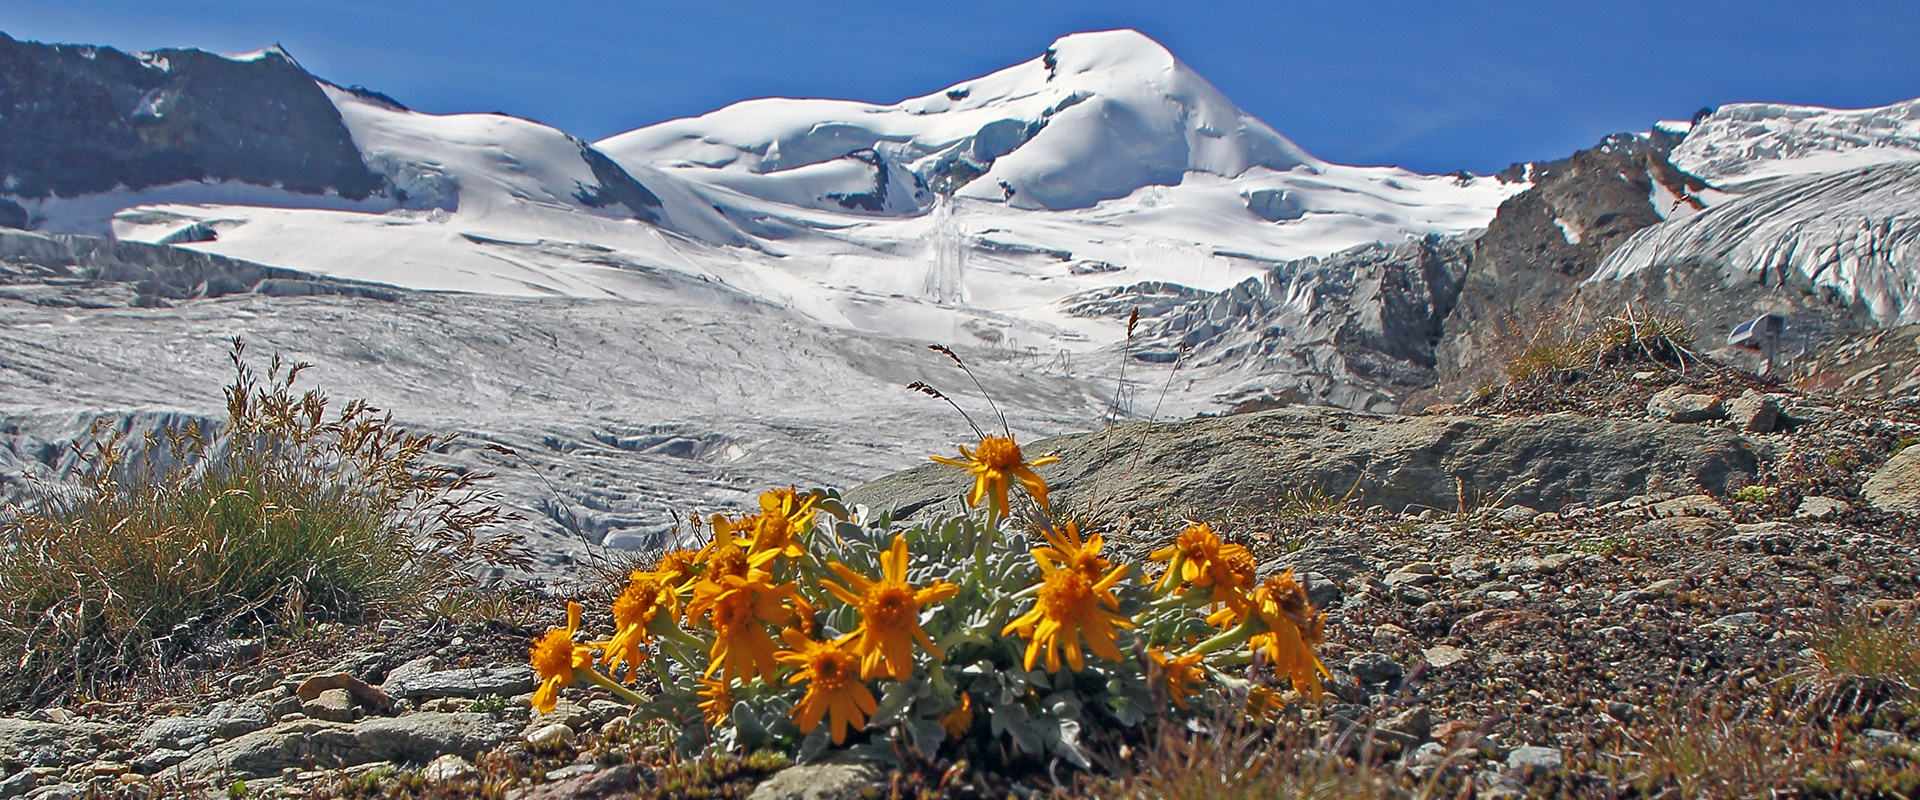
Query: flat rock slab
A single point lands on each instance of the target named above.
(1254, 462)
(472, 682)
(415, 738)
(1896, 485)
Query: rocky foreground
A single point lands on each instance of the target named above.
(1517, 602)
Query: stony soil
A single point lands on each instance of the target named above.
(1465, 646)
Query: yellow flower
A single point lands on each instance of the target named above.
(634, 612)
(676, 569)
(783, 516)
(960, 720)
(834, 688)
(1181, 675)
(554, 657)
(889, 613)
(1067, 610)
(1188, 556)
(738, 610)
(993, 463)
(1292, 632)
(1066, 547)
(717, 702)
(1264, 703)
(724, 558)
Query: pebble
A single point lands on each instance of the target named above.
(1445, 655)
(447, 768)
(550, 735)
(1538, 759)
(1744, 619)
(1820, 508)
(1373, 668)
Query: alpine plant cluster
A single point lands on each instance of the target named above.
(809, 627)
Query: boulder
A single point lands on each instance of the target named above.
(1157, 472)
(225, 720)
(1754, 412)
(1896, 485)
(1675, 404)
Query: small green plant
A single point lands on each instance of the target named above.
(238, 791)
(1756, 494)
(1609, 545)
(490, 704)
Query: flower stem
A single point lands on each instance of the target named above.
(594, 677)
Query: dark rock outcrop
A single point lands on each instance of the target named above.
(84, 120)
(1155, 473)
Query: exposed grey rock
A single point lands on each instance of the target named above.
(57, 791)
(415, 738)
(1322, 591)
(816, 782)
(1538, 759)
(1820, 508)
(1516, 515)
(89, 119)
(1737, 621)
(1252, 461)
(1415, 722)
(64, 744)
(158, 760)
(1895, 486)
(552, 734)
(1444, 655)
(1754, 412)
(1374, 668)
(446, 768)
(225, 720)
(468, 682)
(17, 785)
(1676, 404)
(332, 705)
(1355, 329)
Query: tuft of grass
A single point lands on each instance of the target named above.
(1635, 335)
(1862, 661)
(285, 512)
(1249, 762)
(1756, 494)
(1701, 752)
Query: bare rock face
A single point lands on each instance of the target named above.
(1155, 473)
(1354, 330)
(1896, 486)
(86, 119)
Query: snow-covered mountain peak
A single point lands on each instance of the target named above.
(1744, 142)
(1096, 117)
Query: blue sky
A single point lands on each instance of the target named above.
(1433, 85)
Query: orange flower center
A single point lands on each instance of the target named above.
(1067, 595)
(889, 606)
(998, 452)
(636, 605)
(553, 654)
(833, 669)
(729, 560)
(732, 613)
